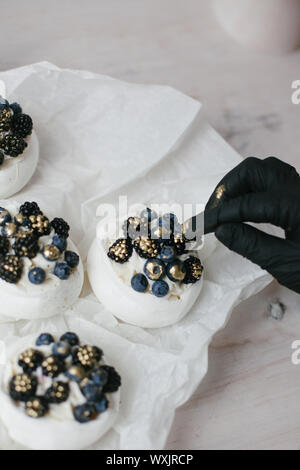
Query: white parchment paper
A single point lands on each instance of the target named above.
(100, 138)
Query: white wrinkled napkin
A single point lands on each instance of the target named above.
(100, 138)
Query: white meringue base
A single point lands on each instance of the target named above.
(49, 433)
(28, 301)
(16, 172)
(139, 309)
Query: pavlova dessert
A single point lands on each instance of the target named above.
(41, 273)
(19, 148)
(148, 276)
(57, 394)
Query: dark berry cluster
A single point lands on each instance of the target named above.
(71, 361)
(20, 236)
(60, 227)
(159, 240)
(14, 128)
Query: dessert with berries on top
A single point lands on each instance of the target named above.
(41, 273)
(19, 148)
(149, 276)
(57, 394)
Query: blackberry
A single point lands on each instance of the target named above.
(131, 227)
(86, 356)
(30, 360)
(5, 120)
(120, 251)
(4, 246)
(16, 108)
(11, 268)
(21, 125)
(60, 227)
(113, 381)
(179, 244)
(22, 387)
(58, 392)
(29, 208)
(26, 244)
(146, 248)
(1, 158)
(194, 270)
(39, 224)
(53, 366)
(36, 407)
(12, 145)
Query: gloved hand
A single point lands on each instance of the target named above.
(260, 191)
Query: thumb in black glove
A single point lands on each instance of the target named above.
(266, 191)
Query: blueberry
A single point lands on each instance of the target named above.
(147, 215)
(61, 349)
(84, 413)
(72, 259)
(90, 390)
(5, 216)
(70, 338)
(62, 271)
(99, 377)
(159, 231)
(154, 269)
(139, 282)
(59, 242)
(3, 103)
(168, 253)
(176, 271)
(36, 275)
(75, 373)
(160, 288)
(44, 339)
(16, 108)
(101, 404)
(169, 220)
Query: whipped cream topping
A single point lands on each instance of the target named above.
(57, 429)
(111, 283)
(25, 300)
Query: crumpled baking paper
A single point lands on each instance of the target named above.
(101, 138)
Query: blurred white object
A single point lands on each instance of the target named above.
(266, 25)
(2, 89)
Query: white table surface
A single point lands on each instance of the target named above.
(250, 397)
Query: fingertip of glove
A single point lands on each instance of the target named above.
(227, 232)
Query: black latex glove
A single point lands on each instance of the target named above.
(260, 191)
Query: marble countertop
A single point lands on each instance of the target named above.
(249, 398)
